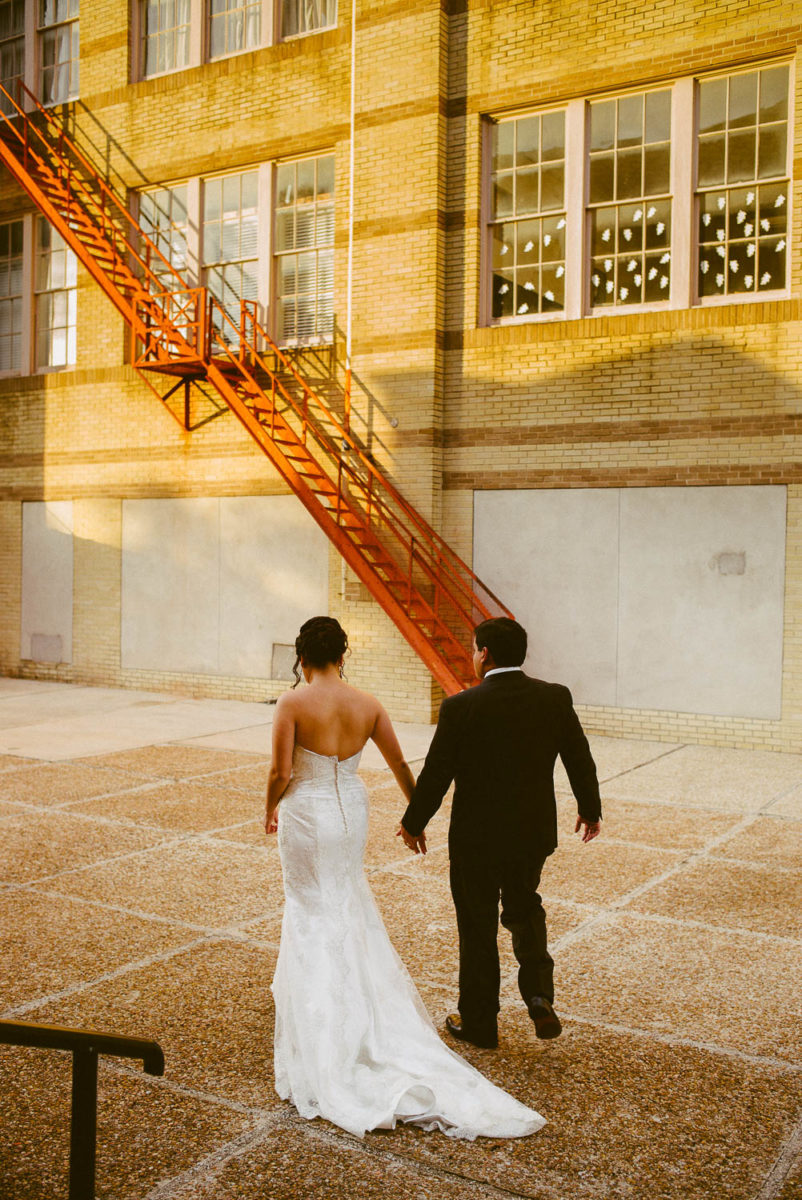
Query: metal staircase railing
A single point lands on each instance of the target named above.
(184, 333)
(85, 1045)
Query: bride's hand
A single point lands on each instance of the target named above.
(271, 821)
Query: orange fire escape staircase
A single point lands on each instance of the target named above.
(185, 334)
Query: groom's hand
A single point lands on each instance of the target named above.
(592, 828)
(416, 844)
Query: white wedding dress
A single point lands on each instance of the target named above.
(353, 1041)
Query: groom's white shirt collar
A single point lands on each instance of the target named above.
(499, 670)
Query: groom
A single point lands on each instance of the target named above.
(499, 743)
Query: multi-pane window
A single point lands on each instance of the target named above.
(11, 276)
(55, 288)
(674, 196)
(163, 217)
(742, 182)
(234, 25)
(12, 50)
(58, 50)
(304, 249)
(629, 199)
(165, 26)
(528, 237)
(231, 240)
(305, 16)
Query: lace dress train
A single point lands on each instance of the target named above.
(353, 1041)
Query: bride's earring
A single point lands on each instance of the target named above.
(342, 671)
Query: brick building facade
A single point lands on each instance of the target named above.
(574, 310)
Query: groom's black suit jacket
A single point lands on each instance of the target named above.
(499, 742)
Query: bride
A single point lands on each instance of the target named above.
(353, 1041)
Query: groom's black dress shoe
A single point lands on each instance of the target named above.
(486, 1041)
(547, 1023)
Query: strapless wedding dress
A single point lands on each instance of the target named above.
(353, 1041)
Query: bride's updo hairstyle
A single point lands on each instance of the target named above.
(320, 641)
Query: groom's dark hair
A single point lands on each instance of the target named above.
(505, 640)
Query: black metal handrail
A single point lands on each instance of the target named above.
(85, 1045)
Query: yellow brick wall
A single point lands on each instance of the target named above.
(679, 398)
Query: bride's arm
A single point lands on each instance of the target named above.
(281, 764)
(384, 736)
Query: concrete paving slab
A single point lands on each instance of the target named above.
(45, 784)
(36, 845)
(753, 896)
(664, 826)
(736, 990)
(598, 873)
(33, 704)
(617, 756)
(205, 883)
(125, 727)
(172, 761)
(679, 1073)
(301, 1163)
(9, 762)
(251, 739)
(49, 942)
(773, 840)
(211, 1005)
(791, 1187)
(788, 805)
(180, 807)
(658, 1121)
(252, 780)
(145, 1131)
(713, 778)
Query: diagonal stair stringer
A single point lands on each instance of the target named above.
(183, 333)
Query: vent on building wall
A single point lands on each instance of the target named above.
(729, 563)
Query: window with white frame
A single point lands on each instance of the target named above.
(55, 287)
(671, 197)
(58, 50)
(175, 34)
(12, 50)
(231, 240)
(304, 250)
(164, 218)
(11, 295)
(165, 28)
(742, 182)
(217, 231)
(306, 16)
(234, 25)
(528, 238)
(629, 200)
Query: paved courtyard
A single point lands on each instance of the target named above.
(138, 895)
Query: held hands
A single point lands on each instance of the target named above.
(416, 844)
(592, 828)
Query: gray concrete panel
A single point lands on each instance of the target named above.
(662, 598)
(209, 584)
(170, 585)
(552, 557)
(701, 613)
(274, 575)
(47, 554)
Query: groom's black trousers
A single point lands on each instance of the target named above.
(480, 879)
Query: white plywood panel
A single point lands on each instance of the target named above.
(210, 584)
(274, 575)
(701, 616)
(552, 557)
(170, 585)
(47, 565)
